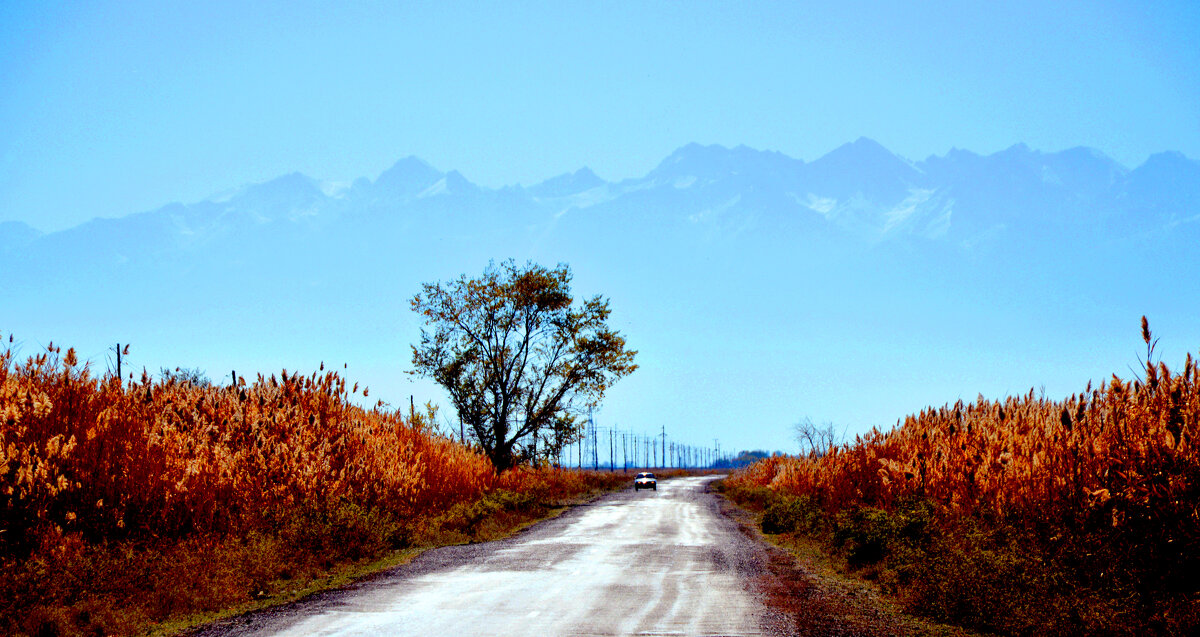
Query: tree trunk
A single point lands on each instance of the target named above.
(502, 458)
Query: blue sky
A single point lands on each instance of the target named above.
(112, 108)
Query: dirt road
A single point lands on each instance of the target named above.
(651, 563)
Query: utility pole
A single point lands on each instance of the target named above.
(118, 361)
(612, 456)
(664, 435)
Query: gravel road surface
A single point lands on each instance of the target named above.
(647, 563)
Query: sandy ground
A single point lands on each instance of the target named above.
(660, 562)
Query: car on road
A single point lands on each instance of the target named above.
(645, 481)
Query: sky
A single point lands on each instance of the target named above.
(107, 109)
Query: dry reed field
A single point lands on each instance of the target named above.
(135, 504)
(1021, 516)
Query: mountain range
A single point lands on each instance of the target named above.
(859, 191)
(765, 267)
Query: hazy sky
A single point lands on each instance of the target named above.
(112, 108)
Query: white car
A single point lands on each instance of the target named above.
(645, 481)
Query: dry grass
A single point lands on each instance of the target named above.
(1091, 503)
(129, 504)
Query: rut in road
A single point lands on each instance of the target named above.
(659, 562)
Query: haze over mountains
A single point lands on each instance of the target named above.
(741, 275)
(859, 191)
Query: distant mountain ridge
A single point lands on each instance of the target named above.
(861, 189)
(1064, 211)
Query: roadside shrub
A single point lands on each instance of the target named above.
(747, 494)
(864, 534)
(466, 517)
(997, 579)
(791, 514)
(341, 530)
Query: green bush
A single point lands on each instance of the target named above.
(342, 530)
(791, 515)
(754, 498)
(467, 517)
(864, 534)
(996, 579)
(986, 576)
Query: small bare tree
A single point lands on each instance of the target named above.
(815, 440)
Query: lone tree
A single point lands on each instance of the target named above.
(517, 356)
